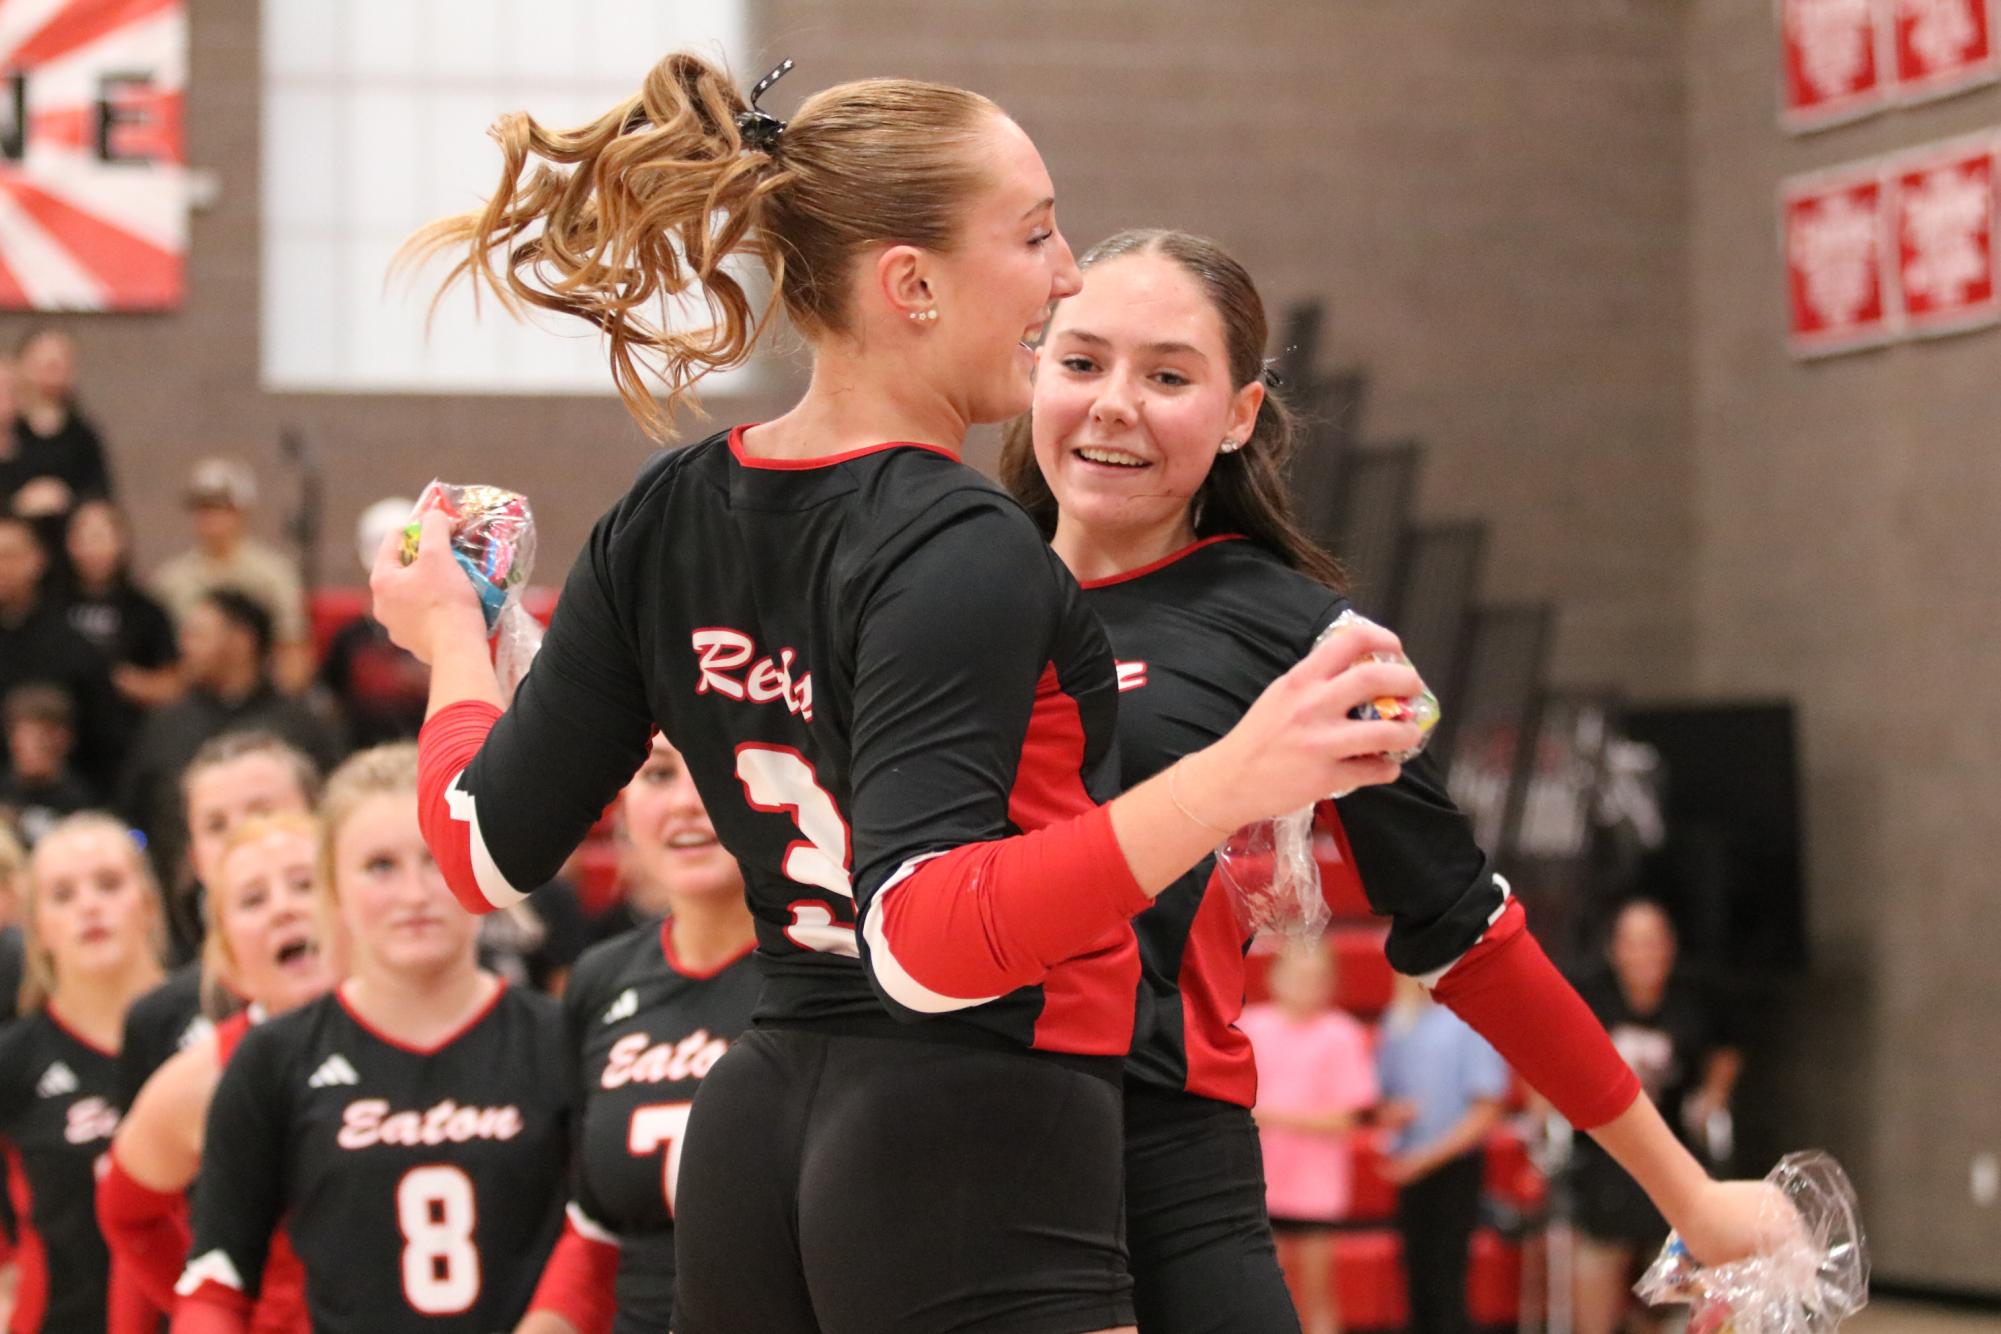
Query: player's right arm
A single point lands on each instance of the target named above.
(239, 1198)
(956, 907)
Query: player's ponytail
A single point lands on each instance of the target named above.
(618, 220)
(1246, 491)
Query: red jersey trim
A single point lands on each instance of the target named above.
(478, 1017)
(49, 1009)
(696, 974)
(824, 460)
(1163, 562)
(31, 1292)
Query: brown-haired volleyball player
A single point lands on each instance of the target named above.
(894, 705)
(1155, 462)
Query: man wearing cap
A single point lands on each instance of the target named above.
(220, 494)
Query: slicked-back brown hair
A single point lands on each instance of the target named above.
(662, 190)
(1245, 491)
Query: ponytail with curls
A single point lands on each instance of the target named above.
(1245, 491)
(665, 188)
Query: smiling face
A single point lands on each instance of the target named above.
(400, 916)
(265, 912)
(993, 287)
(675, 854)
(1133, 399)
(94, 910)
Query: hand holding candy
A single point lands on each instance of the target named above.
(1420, 709)
(1807, 1266)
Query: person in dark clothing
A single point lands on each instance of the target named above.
(38, 645)
(131, 630)
(38, 786)
(226, 650)
(53, 458)
(381, 688)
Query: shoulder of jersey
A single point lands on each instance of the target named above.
(600, 970)
(1268, 582)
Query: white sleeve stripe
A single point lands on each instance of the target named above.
(215, 1267)
(493, 886)
(587, 1227)
(1437, 975)
(889, 971)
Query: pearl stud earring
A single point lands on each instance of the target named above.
(924, 316)
(1232, 446)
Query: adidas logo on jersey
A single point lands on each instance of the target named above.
(624, 1007)
(57, 1080)
(333, 1070)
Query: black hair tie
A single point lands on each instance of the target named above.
(759, 128)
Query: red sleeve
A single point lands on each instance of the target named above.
(146, 1232)
(577, 1282)
(976, 922)
(1508, 992)
(450, 739)
(212, 1309)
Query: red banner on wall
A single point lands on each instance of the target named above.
(1835, 245)
(1832, 63)
(93, 187)
(1940, 47)
(1942, 214)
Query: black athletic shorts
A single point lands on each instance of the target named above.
(1202, 1254)
(1609, 1205)
(834, 1183)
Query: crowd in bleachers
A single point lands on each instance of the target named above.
(1381, 1133)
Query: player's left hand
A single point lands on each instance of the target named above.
(1731, 1220)
(429, 598)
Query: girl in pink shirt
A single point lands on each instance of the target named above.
(1315, 1074)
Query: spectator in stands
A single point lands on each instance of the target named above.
(1443, 1089)
(382, 690)
(39, 787)
(219, 497)
(57, 457)
(131, 630)
(37, 644)
(1670, 1034)
(1315, 1077)
(225, 654)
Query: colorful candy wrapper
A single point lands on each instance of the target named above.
(493, 540)
(1812, 1276)
(1268, 867)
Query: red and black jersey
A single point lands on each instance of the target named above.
(166, 1020)
(419, 1187)
(1198, 637)
(898, 712)
(58, 1111)
(644, 1031)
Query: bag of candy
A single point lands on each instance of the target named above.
(1268, 867)
(493, 540)
(1812, 1275)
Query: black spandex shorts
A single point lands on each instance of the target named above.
(1609, 1205)
(841, 1184)
(1202, 1253)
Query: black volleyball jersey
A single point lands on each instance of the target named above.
(421, 1189)
(1198, 637)
(644, 1030)
(58, 1111)
(867, 660)
(166, 1020)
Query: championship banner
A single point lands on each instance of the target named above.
(1941, 47)
(1835, 239)
(1831, 64)
(93, 185)
(1942, 213)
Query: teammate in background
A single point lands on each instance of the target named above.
(263, 944)
(1155, 463)
(233, 778)
(405, 1129)
(895, 707)
(650, 1013)
(1315, 1077)
(91, 943)
(1672, 1036)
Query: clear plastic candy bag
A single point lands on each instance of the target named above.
(1814, 1276)
(493, 540)
(1268, 867)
